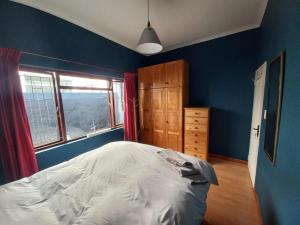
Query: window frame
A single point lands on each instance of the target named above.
(55, 75)
(122, 82)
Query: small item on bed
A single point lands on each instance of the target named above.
(197, 179)
(182, 166)
(179, 161)
(172, 157)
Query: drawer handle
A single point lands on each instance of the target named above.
(196, 142)
(167, 83)
(196, 128)
(197, 113)
(195, 155)
(196, 135)
(195, 148)
(196, 120)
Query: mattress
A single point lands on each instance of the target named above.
(121, 183)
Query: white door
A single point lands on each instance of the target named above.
(259, 88)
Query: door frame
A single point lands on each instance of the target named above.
(263, 70)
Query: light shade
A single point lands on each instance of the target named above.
(149, 42)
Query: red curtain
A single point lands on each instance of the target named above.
(16, 148)
(130, 125)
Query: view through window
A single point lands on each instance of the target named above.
(63, 107)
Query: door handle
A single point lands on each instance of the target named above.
(257, 130)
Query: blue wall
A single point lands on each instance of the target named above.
(220, 77)
(67, 151)
(31, 30)
(278, 186)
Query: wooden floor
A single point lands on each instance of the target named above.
(233, 201)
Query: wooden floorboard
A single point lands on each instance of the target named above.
(233, 201)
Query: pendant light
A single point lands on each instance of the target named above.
(149, 42)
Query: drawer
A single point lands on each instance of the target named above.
(196, 113)
(193, 134)
(196, 120)
(200, 142)
(196, 154)
(194, 127)
(196, 148)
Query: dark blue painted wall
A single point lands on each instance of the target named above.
(278, 186)
(30, 30)
(56, 155)
(220, 77)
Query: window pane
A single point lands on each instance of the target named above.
(119, 102)
(86, 111)
(82, 82)
(40, 104)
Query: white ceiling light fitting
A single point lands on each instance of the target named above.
(149, 42)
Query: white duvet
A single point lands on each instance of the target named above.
(121, 183)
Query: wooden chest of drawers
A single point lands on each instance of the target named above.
(196, 132)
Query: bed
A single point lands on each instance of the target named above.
(121, 183)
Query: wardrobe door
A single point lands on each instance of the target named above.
(145, 115)
(158, 117)
(174, 73)
(145, 78)
(174, 118)
(158, 76)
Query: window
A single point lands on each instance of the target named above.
(86, 105)
(63, 107)
(119, 102)
(38, 92)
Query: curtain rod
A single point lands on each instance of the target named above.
(73, 62)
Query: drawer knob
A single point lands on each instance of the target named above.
(196, 142)
(196, 120)
(196, 127)
(196, 135)
(197, 113)
(195, 148)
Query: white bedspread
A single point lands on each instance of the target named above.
(121, 183)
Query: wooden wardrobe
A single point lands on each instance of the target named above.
(163, 94)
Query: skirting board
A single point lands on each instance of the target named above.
(228, 158)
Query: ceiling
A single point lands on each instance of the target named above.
(178, 22)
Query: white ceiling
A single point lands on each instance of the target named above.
(178, 22)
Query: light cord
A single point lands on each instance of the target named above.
(148, 11)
